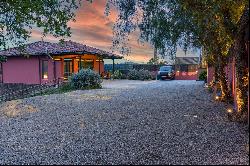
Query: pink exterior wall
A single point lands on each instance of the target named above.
(21, 70)
(26, 70)
(210, 74)
(59, 72)
(186, 75)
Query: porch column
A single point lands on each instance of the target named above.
(80, 63)
(62, 67)
(113, 69)
(74, 65)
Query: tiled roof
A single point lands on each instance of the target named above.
(70, 47)
(187, 60)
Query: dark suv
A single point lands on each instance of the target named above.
(166, 72)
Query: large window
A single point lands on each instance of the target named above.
(86, 64)
(44, 69)
(68, 68)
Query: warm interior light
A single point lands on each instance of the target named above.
(57, 59)
(217, 97)
(45, 76)
(196, 71)
(178, 71)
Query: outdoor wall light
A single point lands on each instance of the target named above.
(178, 71)
(217, 97)
(196, 71)
(45, 76)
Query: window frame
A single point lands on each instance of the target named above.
(45, 71)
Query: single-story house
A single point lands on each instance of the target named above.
(186, 68)
(42, 62)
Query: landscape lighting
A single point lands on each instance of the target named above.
(229, 110)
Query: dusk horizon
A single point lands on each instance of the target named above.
(93, 28)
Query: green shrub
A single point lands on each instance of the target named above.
(145, 75)
(203, 75)
(133, 75)
(66, 87)
(139, 75)
(85, 79)
(118, 75)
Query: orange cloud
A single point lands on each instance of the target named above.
(92, 27)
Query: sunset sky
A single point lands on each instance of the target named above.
(93, 28)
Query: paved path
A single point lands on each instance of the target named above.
(126, 122)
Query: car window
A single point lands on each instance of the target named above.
(165, 68)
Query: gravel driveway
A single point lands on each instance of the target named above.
(126, 122)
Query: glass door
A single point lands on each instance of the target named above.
(68, 68)
(86, 64)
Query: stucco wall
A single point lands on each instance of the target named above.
(21, 70)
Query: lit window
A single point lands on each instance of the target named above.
(44, 69)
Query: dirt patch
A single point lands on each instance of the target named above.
(16, 108)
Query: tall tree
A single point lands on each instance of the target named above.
(18, 17)
(169, 23)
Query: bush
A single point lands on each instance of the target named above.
(139, 75)
(203, 75)
(145, 75)
(118, 75)
(85, 79)
(133, 75)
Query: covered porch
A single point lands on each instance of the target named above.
(69, 64)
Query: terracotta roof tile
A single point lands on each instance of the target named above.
(42, 48)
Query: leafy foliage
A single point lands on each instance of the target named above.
(139, 75)
(3, 59)
(18, 17)
(155, 61)
(203, 75)
(85, 79)
(167, 24)
(118, 75)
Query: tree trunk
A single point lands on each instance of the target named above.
(241, 76)
(241, 58)
(223, 79)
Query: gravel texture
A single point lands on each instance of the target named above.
(126, 122)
